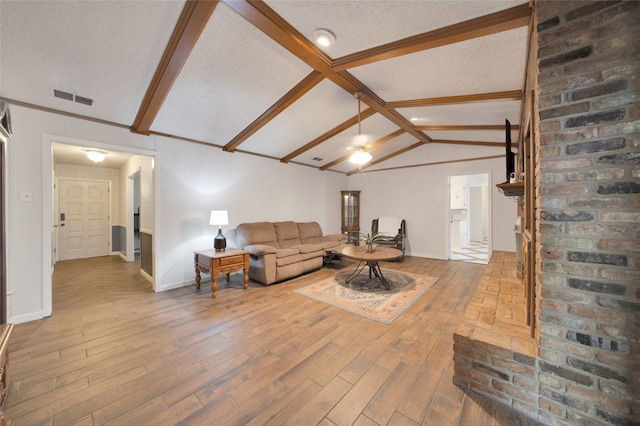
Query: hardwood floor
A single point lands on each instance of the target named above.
(115, 352)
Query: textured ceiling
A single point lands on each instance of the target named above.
(109, 51)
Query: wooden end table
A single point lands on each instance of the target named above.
(220, 262)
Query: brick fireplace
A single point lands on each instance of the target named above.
(582, 364)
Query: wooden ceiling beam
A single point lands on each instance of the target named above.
(373, 146)
(513, 95)
(273, 25)
(308, 83)
(193, 19)
(375, 102)
(269, 22)
(328, 135)
(336, 161)
(508, 19)
(259, 14)
(451, 142)
(467, 127)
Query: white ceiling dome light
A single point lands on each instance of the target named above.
(96, 156)
(324, 37)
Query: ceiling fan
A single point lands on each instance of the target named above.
(359, 145)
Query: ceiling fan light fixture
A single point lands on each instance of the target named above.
(96, 156)
(360, 157)
(324, 37)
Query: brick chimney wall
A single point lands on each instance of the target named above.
(588, 274)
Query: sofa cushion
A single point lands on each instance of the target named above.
(287, 233)
(256, 233)
(287, 252)
(308, 248)
(310, 232)
(288, 257)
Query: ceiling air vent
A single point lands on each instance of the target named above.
(71, 97)
(62, 95)
(83, 100)
(317, 159)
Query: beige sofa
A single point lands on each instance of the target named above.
(283, 250)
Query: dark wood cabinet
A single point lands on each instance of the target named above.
(351, 216)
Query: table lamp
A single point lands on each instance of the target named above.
(219, 217)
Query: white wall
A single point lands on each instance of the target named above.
(190, 180)
(420, 195)
(193, 179)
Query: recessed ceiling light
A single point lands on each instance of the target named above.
(414, 119)
(324, 37)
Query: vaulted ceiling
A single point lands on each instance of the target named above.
(246, 76)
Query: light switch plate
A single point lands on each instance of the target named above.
(26, 196)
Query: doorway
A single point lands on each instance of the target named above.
(469, 213)
(133, 217)
(145, 160)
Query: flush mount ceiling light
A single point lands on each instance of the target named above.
(361, 155)
(96, 156)
(324, 37)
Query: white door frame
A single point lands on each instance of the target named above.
(131, 253)
(48, 207)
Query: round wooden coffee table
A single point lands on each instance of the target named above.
(371, 260)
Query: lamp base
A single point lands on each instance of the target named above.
(219, 242)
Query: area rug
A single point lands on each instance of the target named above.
(361, 297)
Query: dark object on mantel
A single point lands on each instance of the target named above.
(512, 189)
(510, 157)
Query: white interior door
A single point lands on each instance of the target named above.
(84, 219)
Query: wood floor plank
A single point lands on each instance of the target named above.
(400, 420)
(424, 388)
(443, 411)
(202, 381)
(320, 404)
(115, 352)
(476, 411)
(175, 414)
(391, 393)
(334, 364)
(358, 397)
(280, 410)
(309, 365)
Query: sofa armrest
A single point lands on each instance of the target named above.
(259, 250)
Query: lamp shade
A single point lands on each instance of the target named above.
(219, 217)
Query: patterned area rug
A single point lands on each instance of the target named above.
(369, 298)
